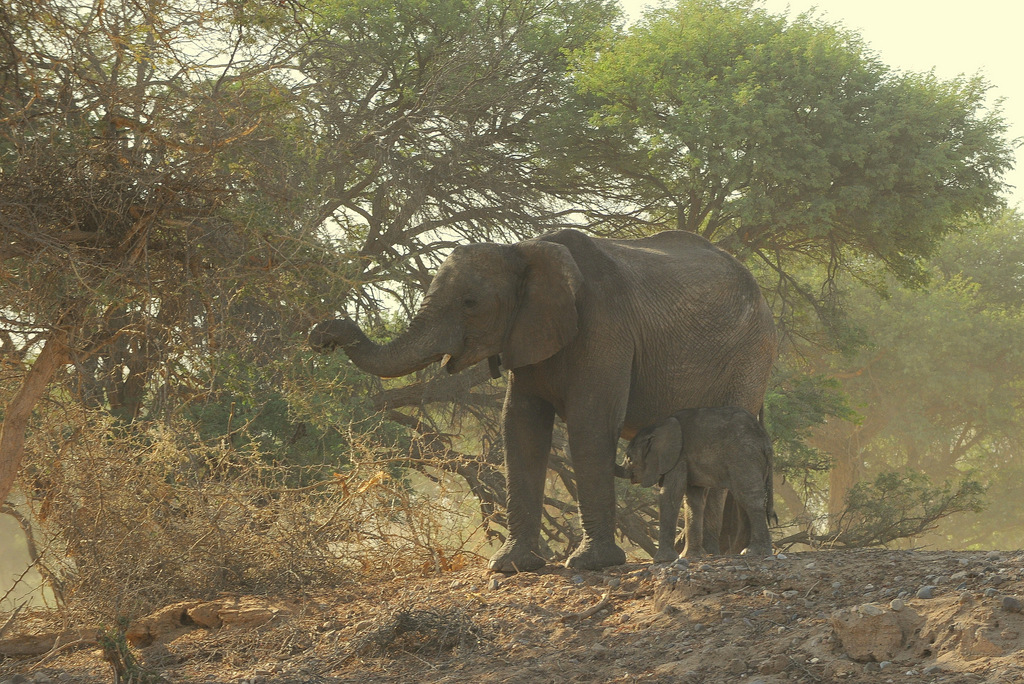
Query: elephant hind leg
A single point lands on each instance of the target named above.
(753, 505)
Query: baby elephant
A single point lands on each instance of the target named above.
(693, 450)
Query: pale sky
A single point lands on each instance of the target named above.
(964, 37)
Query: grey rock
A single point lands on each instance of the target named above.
(870, 609)
(736, 666)
(932, 669)
(1011, 604)
(990, 592)
(927, 591)
(897, 604)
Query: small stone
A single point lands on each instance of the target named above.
(493, 583)
(770, 595)
(884, 664)
(992, 555)
(781, 556)
(966, 597)
(869, 587)
(870, 609)
(837, 585)
(614, 582)
(704, 567)
(577, 579)
(932, 669)
(926, 592)
(681, 562)
(42, 678)
(1011, 604)
(790, 594)
(990, 592)
(872, 667)
(961, 561)
(958, 576)
(897, 604)
(810, 566)
(736, 666)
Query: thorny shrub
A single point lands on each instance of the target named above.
(122, 524)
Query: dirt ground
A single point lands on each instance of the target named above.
(853, 616)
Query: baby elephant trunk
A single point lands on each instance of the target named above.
(625, 473)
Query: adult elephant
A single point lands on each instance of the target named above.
(610, 335)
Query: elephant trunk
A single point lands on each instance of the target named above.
(417, 348)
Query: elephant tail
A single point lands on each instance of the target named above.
(769, 489)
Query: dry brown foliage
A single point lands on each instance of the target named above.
(123, 524)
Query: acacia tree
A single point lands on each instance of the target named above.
(121, 212)
(788, 139)
(791, 145)
(435, 125)
(938, 384)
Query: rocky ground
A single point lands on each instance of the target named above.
(852, 616)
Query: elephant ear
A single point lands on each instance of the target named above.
(546, 318)
(664, 451)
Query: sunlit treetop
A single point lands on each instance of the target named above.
(790, 136)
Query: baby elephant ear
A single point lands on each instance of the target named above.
(546, 318)
(665, 450)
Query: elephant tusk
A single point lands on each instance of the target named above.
(445, 359)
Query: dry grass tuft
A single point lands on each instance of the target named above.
(421, 631)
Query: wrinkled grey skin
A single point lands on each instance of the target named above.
(697, 449)
(610, 335)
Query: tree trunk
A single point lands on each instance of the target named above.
(19, 410)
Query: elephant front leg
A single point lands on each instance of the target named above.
(714, 505)
(694, 522)
(669, 501)
(593, 459)
(527, 424)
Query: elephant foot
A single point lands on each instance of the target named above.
(516, 556)
(593, 555)
(665, 556)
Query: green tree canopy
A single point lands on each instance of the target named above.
(789, 138)
(939, 386)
